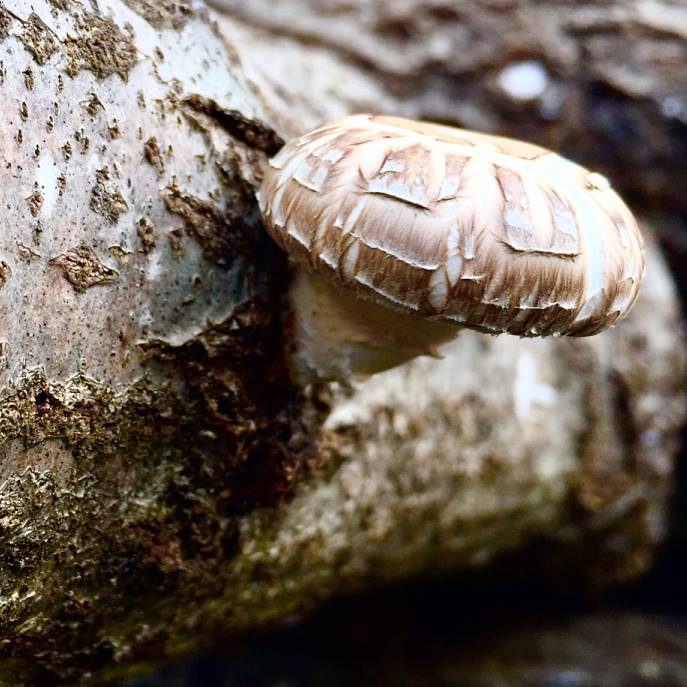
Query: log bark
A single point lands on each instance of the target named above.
(161, 480)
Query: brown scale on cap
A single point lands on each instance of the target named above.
(451, 225)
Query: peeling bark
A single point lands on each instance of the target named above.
(160, 478)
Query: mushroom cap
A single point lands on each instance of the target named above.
(483, 231)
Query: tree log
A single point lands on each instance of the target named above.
(161, 480)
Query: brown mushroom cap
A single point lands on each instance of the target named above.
(483, 231)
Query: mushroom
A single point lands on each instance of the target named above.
(403, 232)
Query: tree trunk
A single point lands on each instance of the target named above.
(161, 480)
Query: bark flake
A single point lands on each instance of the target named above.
(5, 273)
(82, 268)
(251, 132)
(106, 198)
(101, 47)
(152, 152)
(146, 233)
(38, 39)
(163, 13)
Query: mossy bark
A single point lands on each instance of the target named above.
(161, 480)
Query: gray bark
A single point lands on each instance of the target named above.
(160, 478)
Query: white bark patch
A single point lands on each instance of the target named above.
(528, 391)
(526, 80)
(47, 174)
(155, 266)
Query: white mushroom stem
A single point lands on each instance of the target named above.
(336, 335)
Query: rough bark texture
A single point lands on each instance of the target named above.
(160, 479)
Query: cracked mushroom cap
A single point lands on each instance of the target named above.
(483, 231)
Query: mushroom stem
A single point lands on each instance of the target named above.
(337, 336)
